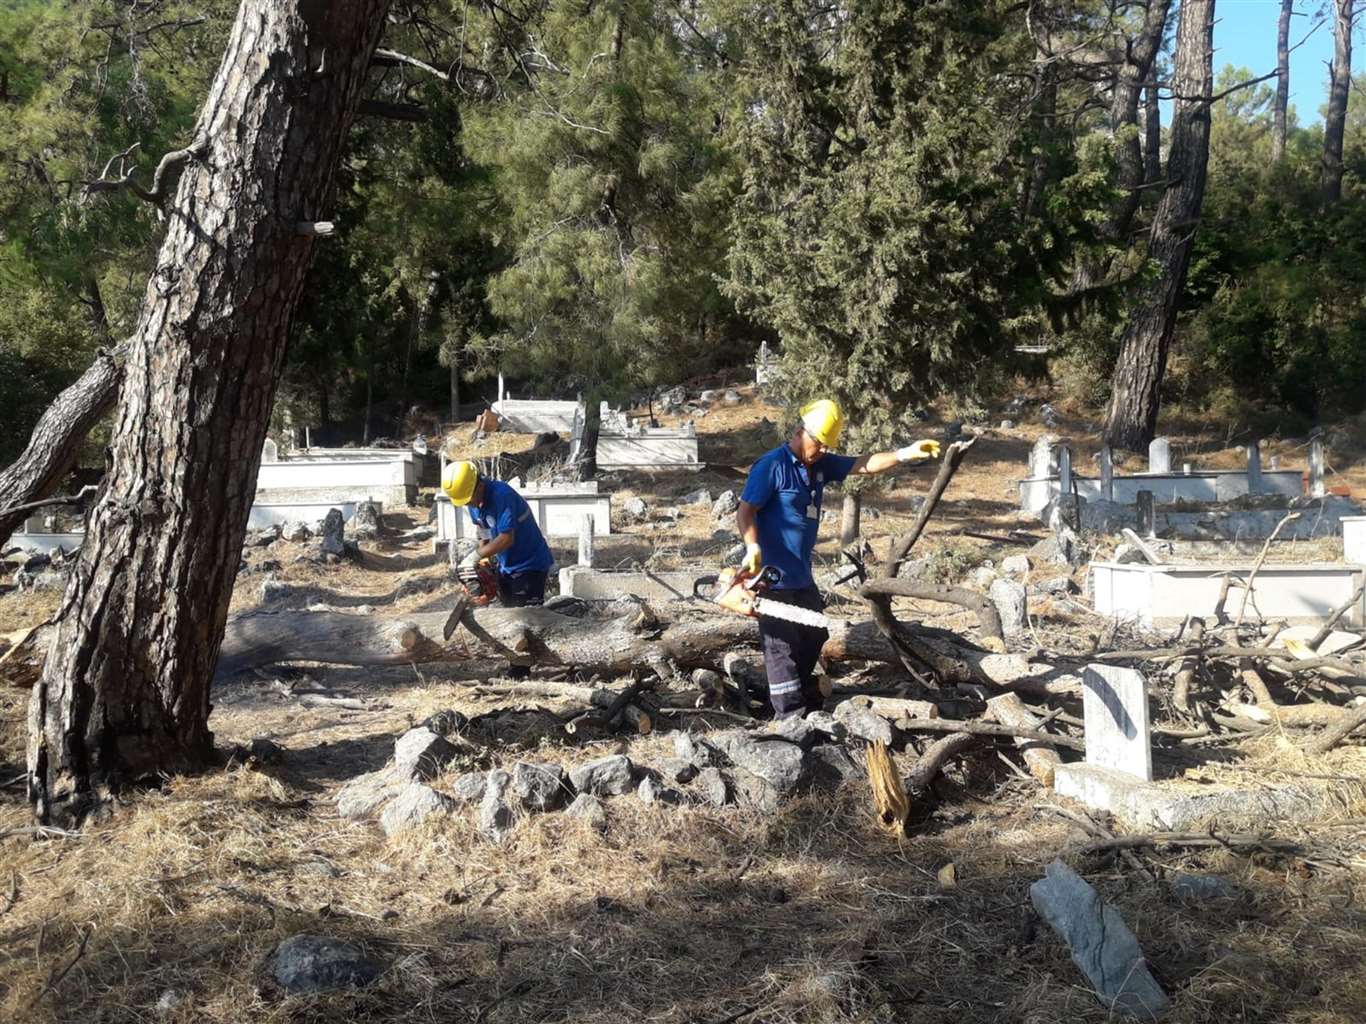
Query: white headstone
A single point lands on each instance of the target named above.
(586, 542)
(1115, 707)
(1160, 456)
(1041, 458)
(1107, 474)
(1254, 468)
(1316, 488)
(420, 444)
(1065, 469)
(270, 451)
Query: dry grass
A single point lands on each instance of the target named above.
(674, 915)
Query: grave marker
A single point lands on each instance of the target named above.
(1160, 456)
(1107, 474)
(1316, 466)
(1254, 468)
(1115, 707)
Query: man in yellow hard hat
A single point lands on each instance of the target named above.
(779, 517)
(508, 533)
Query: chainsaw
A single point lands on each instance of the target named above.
(479, 586)
(743, 595)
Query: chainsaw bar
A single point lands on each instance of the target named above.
(771, 609)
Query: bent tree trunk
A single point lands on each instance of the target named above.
(57, 437)
(1136, 383)
(124, 695)
(1281, 106)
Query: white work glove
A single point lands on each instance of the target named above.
(917, 451)
(753, 560)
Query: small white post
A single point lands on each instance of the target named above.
(1254, 467)
(586, 542)
(1107, 474)
(1316, 467)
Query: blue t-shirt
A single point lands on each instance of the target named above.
(788, 497)
(503, 511)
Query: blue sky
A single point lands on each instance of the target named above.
(1245, 36)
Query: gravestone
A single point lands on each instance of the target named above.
(1107, 474)
(1115, 707)
(586, 542)
(1041, 457)
(1065, 469)
(270, 451)
(1316, 487)
(1160, 455)
(1254, 468)
(1147, 516)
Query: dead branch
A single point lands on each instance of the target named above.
(1289, 517)
(987, 615)
(156, 195)
(1337, 733)
(1332, 619)
(1041, 758)
(972, 728)
(936, 755)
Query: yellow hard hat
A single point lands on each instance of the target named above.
(458, 481)
(823, 420)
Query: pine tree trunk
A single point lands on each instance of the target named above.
(849, 518)
(124, 696)
(1282, 105)
(1339, 83)
(56, 439)
(586, 455)
(1137, 380)
(1152, 130)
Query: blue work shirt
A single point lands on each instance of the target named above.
(788, 497)
(503, 511)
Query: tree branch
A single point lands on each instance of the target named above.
(156, 195)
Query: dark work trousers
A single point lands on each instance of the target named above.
(521, 590)
(790, 653)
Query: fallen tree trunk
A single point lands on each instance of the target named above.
(547, 638)
(1042, 759)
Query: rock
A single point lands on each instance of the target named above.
(707, 396)
(755, 792)
(412, 805)
(864, 724)
(1100, 942)
(673, 398)
(563, 604)
(367, 524)
(710, 788)
(1059, 586)
(1048, 415)
(831, 766)
(697, 752)
(1009, 598)
(1015, 565)
(169, 1000)
(651, 791)
(771, 758)
(496, 816)
(365, 794)
(1055, 551)
(469, 788)
(982, 578)
(734, 556)
(1203, 887)
(727, 504)
(827, 727)
(421, 754)
(590, 809)
(607, 776)
(316, 963)
(1128, 554)
(914, 569)
(446, 723)
(540, 787)
(731, 397)
(698, 497)
(707, 681)
(953, 430)
(675, 769)
(796, 729)
(261, 538)
(1007, 424)
(333, 531)
(634, 509)
(295, 532)
(268, 565)
(265, 751)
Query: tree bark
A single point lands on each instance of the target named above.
(849, 518)
(1152, 129)
(57, 437)
(586, 455)
(1136, 384)
(1281, 109)
(124, 696)
(1339, 84)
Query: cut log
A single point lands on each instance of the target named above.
(899, 711)
(264, 638)
(936, 755)
(1041, 759)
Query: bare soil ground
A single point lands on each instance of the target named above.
(674, 915)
